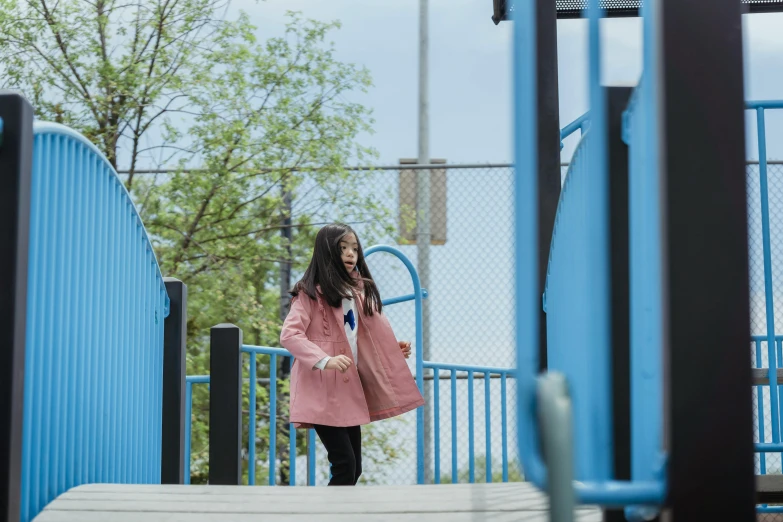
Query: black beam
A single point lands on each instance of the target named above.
(174, 350)
(16, 162)
(617, 100)
(225, 405)
(708, 421)
(548, 148)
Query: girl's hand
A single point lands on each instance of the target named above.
(339, 362)
(405, 346)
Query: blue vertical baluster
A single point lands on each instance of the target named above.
(311, 457)
(292, 448)
(527, 299)
(760, 402)
(291, 455)
(436, 382)
(471, 449)
(251, 431)
(454, 469)
(272, 418)
(770, 307)
(488, 427)
(504, 425)
(188, 427)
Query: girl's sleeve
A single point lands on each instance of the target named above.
(294, 338)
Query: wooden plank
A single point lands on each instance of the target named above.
(760, 376)
(540, 516)
(769, 489)
(131, 503)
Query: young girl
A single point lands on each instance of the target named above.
(349, 369)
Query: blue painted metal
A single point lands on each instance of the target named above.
(436, 398)
(454, 461)
(311, 457)
(1, 132)
(526, 235)
(641, 128)
(84, 419)
(404, 298)
(471, 448)
(273, 421)
(760, 405)
(418, 293)
(597, 488)
(767, 252)
(504, 426)
(597, 263)
(251, 432)
(579, 124)
(292, 452)
(769, 509)
(190, 380)
(487, 428)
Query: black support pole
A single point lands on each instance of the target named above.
(16, 157)
(707, 392)
(548, 147)
(174, 350)
(617, 100)
(225, 405)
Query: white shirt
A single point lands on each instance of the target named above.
(351, 325)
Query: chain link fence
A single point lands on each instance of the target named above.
(769, 463)
(471, 307)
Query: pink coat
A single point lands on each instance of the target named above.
(382, 387)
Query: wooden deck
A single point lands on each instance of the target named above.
(453, 503)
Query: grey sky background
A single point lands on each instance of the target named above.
(470, 63)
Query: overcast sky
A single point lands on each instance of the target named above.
(470, 83)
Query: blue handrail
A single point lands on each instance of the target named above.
(95, 313)
(418, 296)
(486, 372)
(274, 353)
(602, 491)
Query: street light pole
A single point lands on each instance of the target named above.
(423, 232)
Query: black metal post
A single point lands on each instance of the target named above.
(708, 418)
(16, 161)
(548, 147)
(617, 100)
(174, 350)
(225, 405)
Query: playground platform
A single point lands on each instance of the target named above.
(454, 503)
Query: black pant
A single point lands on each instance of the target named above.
(344, 450)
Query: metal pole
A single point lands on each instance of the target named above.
(423, 234)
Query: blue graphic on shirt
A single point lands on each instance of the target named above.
(349, 318)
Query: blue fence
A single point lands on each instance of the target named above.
(96, 304)
(455, 372)
(576, 298)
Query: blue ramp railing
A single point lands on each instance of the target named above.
(577, 293)
(96, 304)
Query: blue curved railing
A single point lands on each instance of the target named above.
(274, 353)
(418, 296)
(588, 277)
(96, 304)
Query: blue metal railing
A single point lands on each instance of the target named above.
(274, 353)
(487, 373)
(645, 283)
(581, 124)
(587, 190)
(95, 310)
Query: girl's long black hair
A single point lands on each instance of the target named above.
(327, 270)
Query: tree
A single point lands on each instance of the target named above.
(260, 134)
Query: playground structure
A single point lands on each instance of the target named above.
(630, 309)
